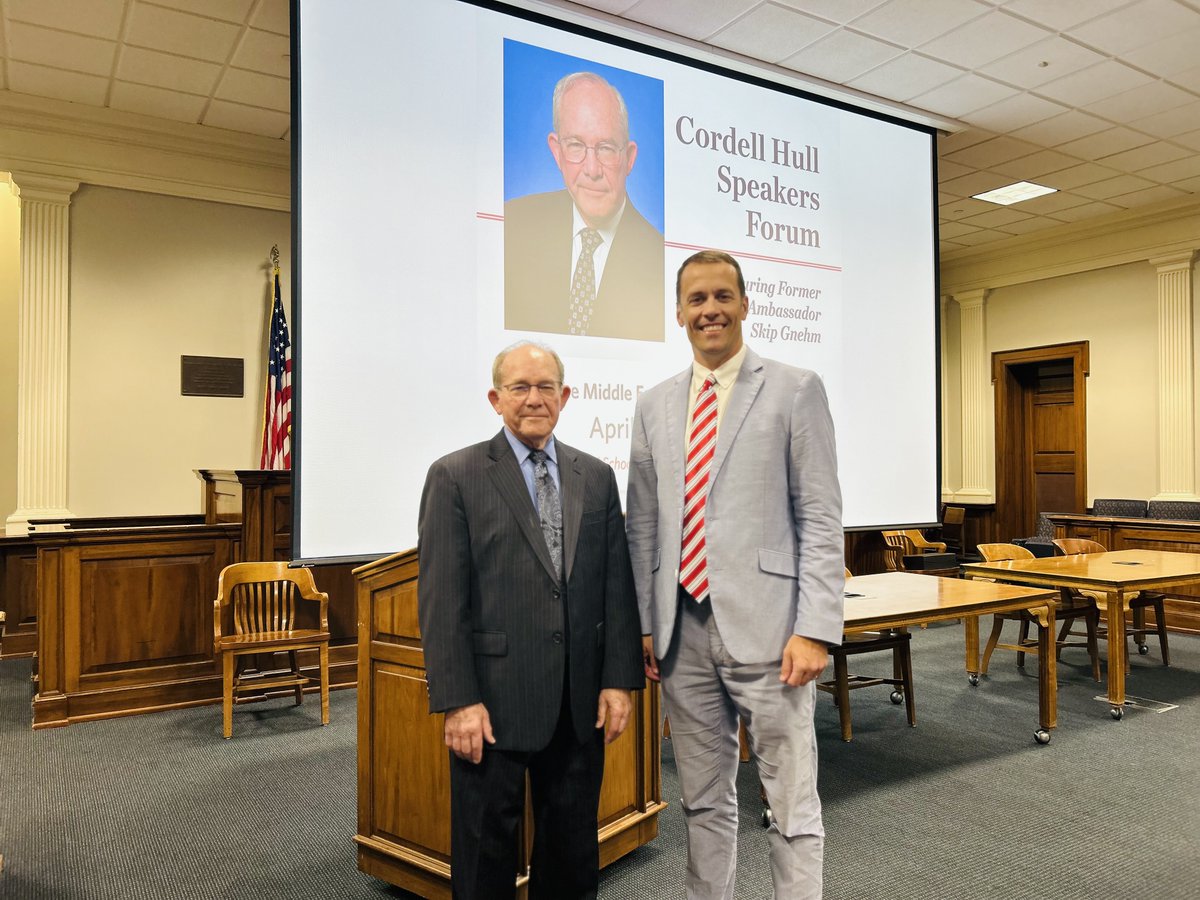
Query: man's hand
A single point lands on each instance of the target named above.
(803, 660)
(466, 729)
(613, 712)
(648, 660)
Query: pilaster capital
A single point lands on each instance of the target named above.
(45, 188)
(1173, 261)
(972, 299)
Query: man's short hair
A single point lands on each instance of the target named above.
(503, 354)
(709, 256)
(569, 81)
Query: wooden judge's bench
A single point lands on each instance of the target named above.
(403, 764)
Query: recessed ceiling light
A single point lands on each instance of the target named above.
(1015, 193)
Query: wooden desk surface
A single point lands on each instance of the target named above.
(897, 598)
(1115, 569)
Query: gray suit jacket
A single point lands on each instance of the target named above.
(631, 299)
(773, 523)
(497, 627)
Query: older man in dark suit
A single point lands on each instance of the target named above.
(530, 631)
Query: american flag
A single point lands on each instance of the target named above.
(277, 411)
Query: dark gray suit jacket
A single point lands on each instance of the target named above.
(631, 299)
(497, 627)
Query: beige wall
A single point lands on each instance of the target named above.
(10, 284)
(153, 278)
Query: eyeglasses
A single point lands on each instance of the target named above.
(607, 154)
(548, 389)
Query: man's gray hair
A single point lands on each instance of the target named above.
(503, 355)
(569, 81)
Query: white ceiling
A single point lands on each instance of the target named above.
(1098, 98)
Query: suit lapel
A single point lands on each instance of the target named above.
(741, 398)
(570, 476)
(677, 426)
(506, 475)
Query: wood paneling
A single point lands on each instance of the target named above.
(18, 596)
(1182, 606)
(403, 768)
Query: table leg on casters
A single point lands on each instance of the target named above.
(1047, 674)
(1116, 654)
(971, 630)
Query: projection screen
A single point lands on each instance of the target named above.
(421, 135)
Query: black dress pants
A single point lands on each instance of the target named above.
(486, 803)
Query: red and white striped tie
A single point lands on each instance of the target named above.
(701, 445)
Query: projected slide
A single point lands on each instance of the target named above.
(468, 178)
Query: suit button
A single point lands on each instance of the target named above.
(557, 595)
(557, 637)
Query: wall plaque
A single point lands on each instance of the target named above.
(211, 376)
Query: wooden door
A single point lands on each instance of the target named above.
(1041, 435)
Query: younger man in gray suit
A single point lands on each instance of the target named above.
(529, 627)
(735, 532)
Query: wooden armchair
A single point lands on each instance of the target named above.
(921, 545)
(1137, 604)
(1069, 608)
(256, 612)
(898, 642)
(898, 546)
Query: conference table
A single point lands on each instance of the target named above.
(906, 599)
(1120, 574)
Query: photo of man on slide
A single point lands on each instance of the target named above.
(582, 260)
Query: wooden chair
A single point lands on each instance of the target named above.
(256, 612)
(921, 545)
(1069, 608)
(1137, 605)
(898, 546)
(953, 519)
(898, 641)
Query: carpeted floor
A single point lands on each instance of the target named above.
(963, 806)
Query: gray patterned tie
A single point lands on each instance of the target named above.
(583, 285)
(549, 509)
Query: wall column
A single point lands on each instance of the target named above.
(978, 476)
(42, 348)
(1176, 379)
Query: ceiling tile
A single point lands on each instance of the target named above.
(1174, 53)
(153, 101)
(235, 117)
(253, 89)
(982, 236)
(840, 11)
(963, 95)
(1086, 211)
(1070, 179)
(33, 44)
(1191, 185)
(975, 183)
(156, 28)
(983, 40)
(1035, 165)
(1189, 78)
(1061, 15)
(997, 215)
(274, 16)
(1029, 225)
(771, 32)
(1015, 112)
(947, 170)
(1168, 124)
(910, 23)
(1156, 194)
(1052, 203)
(1105, 143)
(262, 51)
(167, 71)
(962, 208)
(841, 56)
(1145, 156)
(1191, 139)
(1146, 100)
(1044, 61)
(1060, 129)
(696, 19)
(226, 10)
(948, 143)
(905, 77)
(25, 78)
(1094, 83)
(98, 18)
(1111, 187)
(616, 7)
(1136, 25)
(999, 149)
(954, 229)
(1187, 167)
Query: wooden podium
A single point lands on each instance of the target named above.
(403, 767)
